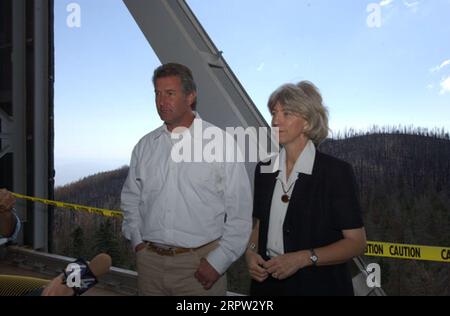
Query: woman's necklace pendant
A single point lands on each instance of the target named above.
(285, 197)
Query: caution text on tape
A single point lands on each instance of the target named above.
(402, 251)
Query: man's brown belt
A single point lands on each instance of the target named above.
(173, 251)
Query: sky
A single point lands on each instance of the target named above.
(375, 63)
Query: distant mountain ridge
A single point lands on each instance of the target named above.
(413, 161)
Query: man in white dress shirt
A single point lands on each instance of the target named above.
(187, 221)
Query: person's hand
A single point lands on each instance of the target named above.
(7, 201)
(7, 218)
(282, 267)
(139, 247)
(255, 265)
(206, 274)
(57, 288)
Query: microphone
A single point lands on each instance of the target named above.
(88, 274)
(100, 264)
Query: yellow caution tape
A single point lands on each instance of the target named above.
(76, 207)
(373, 249)
(401, 251)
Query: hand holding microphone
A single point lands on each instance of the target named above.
(89, 273)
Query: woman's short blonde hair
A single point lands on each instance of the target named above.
(305, 99)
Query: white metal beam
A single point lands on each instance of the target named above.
(176, 35)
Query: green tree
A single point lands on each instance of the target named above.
(77, 248)
(106, 241)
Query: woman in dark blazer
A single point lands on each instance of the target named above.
(307, 214)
